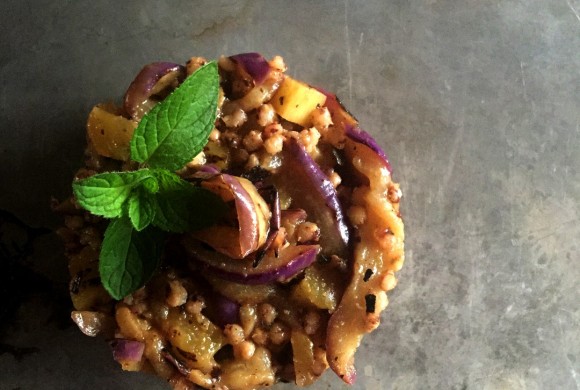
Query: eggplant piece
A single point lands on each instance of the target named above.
(257, 82)
(360, 138)
(242, 293)
(379, 252)
(93, 323)
(345, 122)
(340, 115)
(311, 190)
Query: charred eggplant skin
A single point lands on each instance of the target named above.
(376, 256)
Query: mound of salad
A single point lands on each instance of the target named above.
(232, 227)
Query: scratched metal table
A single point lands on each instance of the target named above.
(477, 103)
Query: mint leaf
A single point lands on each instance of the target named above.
(177, 128)
(105, 194)
(128, 258)
(142, 207)
(143, 201)
(150, 185)
(183, 207)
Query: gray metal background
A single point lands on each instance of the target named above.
(477, 103)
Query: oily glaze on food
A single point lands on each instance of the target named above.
(289, 283)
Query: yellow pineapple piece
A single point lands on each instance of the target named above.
(318, 288)
(302, 349)
(110, 133)
(295, 101)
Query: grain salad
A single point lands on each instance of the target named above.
(232, 227)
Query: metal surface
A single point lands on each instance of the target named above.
(477, 103)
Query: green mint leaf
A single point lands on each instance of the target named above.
(128, 258)
(141, 209)
(106, 193)
(183, 207)
(177, 128)
(150, 185)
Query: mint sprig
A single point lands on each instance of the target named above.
(141, 209)
(176, 129)
(148, 203)
(150, 197)
(182, 207)
(129, 258)
(106, 193)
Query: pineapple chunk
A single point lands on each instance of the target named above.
(89, 296)
(318, 288)
(295, 101)
(85, 292)
(302, 349)
(110, 133)
(196, 336)
(254, 373)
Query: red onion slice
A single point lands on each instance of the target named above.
(293, 216)
(271, 196)
(176, 362)
(245, 235)
(127, 351)
(205, 172)
(310, 189)
(253, 64)
(209, 168)
(289, 262)
(222, 310)
(151, 80)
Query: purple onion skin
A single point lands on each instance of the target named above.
(222, 310)
(127, 350)
(275, 220)
(177, 363)
(286, 272)
(344, 119)
(272, 197)
(293, 216)
(206, 172)
(144, 84)
(360, 136)
(312, 191)
(254, 64)
(246, 216)
(247, 234)
(285, 266)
